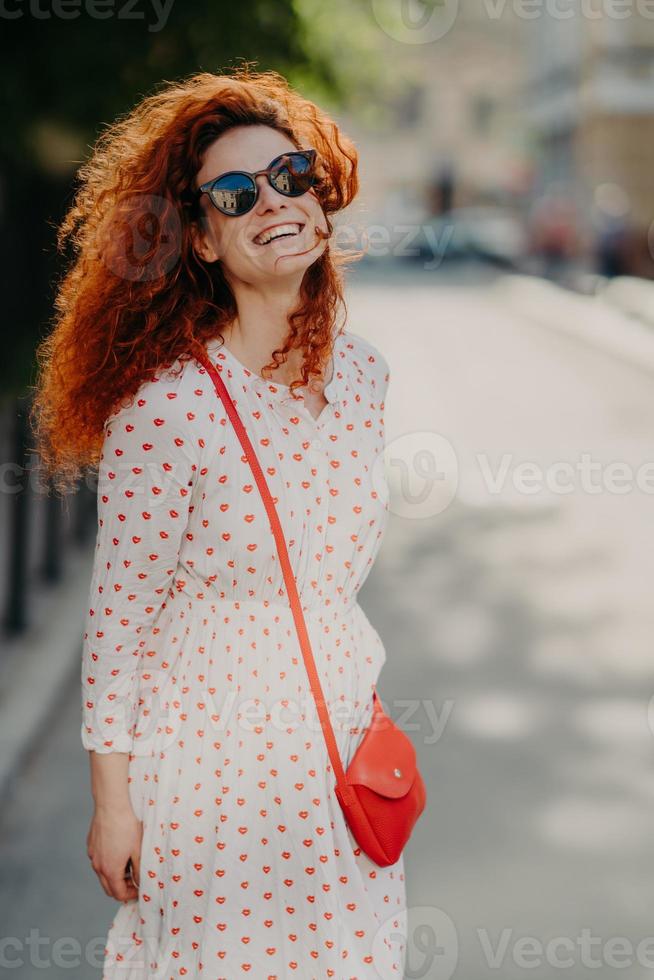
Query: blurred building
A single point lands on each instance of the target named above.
(545, 111)
(455, 135)
(590, 108)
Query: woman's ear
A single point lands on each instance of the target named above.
(202, 247)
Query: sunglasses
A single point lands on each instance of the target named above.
(236, 191)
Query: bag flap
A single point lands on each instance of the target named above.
(385, 760)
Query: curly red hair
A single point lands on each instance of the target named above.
(121, 316)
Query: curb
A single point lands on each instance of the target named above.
(38, 668)
(590, 319)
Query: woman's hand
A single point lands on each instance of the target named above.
(115, 834)
(113, 841)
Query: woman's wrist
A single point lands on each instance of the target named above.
(109, 781)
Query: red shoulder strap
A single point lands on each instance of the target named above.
(289, 578)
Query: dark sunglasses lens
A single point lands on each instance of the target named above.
(293, 174)
(234, 194)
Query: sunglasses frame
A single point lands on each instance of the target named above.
(208, 186)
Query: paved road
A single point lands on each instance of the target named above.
(517, 628)
(525, 621)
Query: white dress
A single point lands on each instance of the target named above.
(192, 664)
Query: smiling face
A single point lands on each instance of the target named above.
(245, 253)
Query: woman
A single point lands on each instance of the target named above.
(216, 823)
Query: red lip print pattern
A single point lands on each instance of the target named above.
(193, 668)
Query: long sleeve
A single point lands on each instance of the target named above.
(148, 467)
(375, 376)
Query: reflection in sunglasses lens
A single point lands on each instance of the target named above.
(238, 196)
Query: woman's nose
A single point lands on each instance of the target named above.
(268, 196)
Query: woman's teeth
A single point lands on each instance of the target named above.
(283, 231)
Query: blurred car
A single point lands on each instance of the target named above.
(491, 234)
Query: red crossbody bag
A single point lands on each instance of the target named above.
(382, 794)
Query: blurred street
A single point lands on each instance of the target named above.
(519, 620)
(527, 620)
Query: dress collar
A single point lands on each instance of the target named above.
(274, 390)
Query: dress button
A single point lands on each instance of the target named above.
(316, 445)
